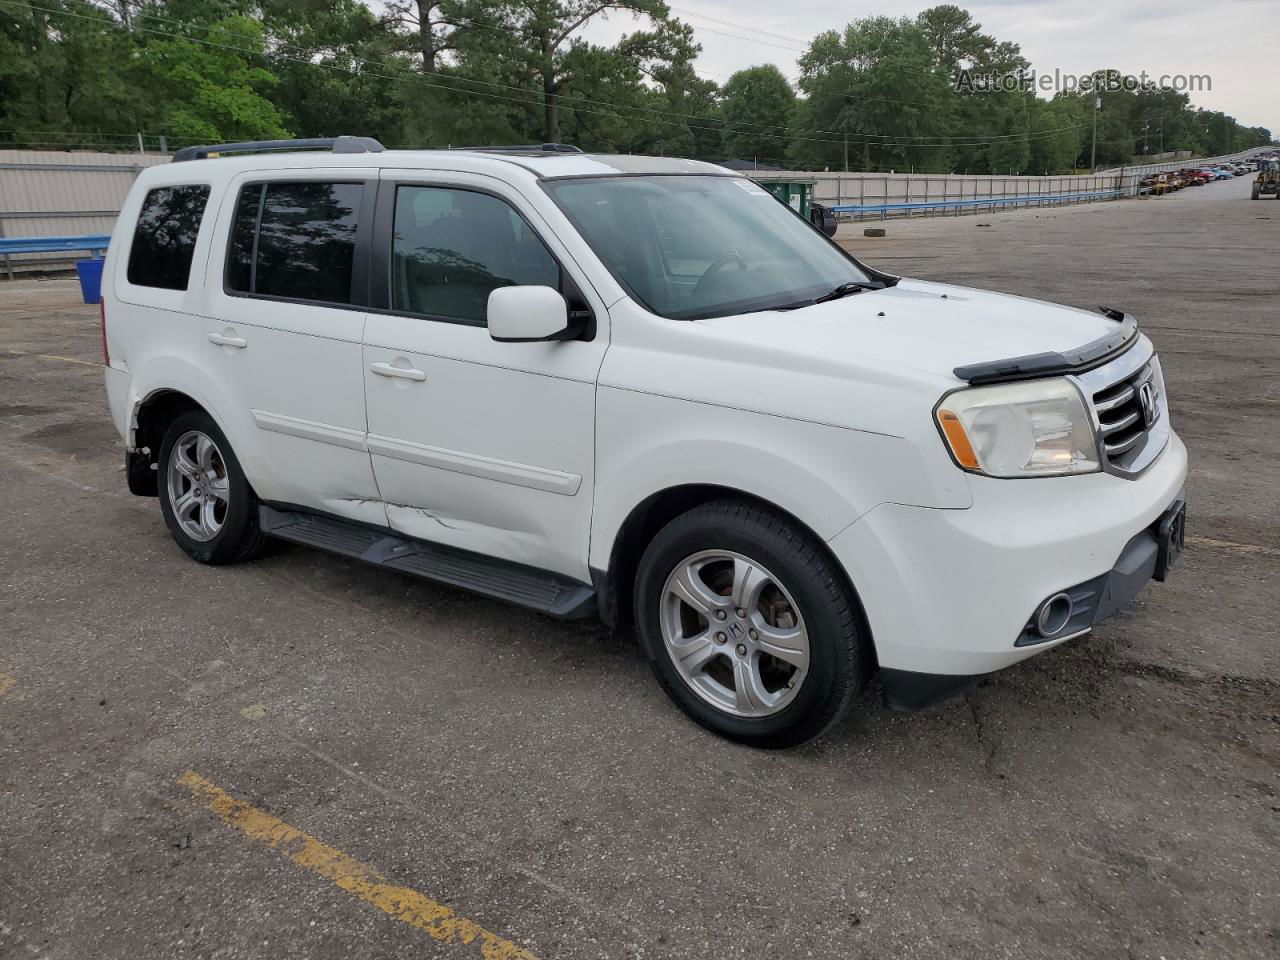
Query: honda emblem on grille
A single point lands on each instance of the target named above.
(1147, 400)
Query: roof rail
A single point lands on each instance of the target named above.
(526, 148)
(334, 144)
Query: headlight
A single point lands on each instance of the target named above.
(1039, 428)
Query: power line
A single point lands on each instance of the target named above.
(739, 26)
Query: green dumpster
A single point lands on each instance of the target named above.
(797, 194)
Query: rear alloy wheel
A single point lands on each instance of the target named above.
(207, 503)
(198, 487)
(749, 625)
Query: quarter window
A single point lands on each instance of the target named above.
(296, 241)
(451, 248)
(165, 237)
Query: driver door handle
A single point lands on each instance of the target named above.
(405, 373)
(226, 340)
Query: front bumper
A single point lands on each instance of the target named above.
(950, 592)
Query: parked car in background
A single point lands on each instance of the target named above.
(642, 388)
(1156, 184)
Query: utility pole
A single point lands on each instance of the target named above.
(846, 151)
(1093, 152)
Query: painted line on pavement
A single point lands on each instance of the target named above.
(438, 921)
(1232, 545)
(51, 356)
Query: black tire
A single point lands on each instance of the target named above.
(239, 537)
(1257, 191)
(838, 652)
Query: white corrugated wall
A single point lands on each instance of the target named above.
(45, 193)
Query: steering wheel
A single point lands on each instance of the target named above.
(716, 266)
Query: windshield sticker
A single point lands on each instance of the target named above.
(751, 188)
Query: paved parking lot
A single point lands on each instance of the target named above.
(304, 757)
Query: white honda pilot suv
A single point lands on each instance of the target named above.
(641, 388)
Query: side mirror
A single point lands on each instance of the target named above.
(527, 314)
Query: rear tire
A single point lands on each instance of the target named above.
(749, 625)
(207, 502)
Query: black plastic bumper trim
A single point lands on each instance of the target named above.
(909, 690)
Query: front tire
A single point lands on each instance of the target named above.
(749, 625)
(207, 503)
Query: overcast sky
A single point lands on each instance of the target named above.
(1233, 41)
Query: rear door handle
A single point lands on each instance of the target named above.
(405, 373)
(227, 340)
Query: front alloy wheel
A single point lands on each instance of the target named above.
(734, 633)
(748, 623)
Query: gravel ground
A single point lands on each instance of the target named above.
(1115, 797)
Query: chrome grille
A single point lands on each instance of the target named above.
(1127, 411)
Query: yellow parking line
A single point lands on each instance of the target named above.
(6, 683)
(51, 356)
(54, 356)
(359, 879)
(1232, 545)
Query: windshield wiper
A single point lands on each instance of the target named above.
(848, 287)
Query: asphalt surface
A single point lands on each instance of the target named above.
(1116, 797)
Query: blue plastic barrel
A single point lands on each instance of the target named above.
(90, 272)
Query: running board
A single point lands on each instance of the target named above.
(515, 583)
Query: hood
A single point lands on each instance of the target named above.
(931, 327)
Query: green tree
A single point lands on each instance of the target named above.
(540, 44)
(955, 41)
(874, 86)
(63, 71)
(213, 84)
(431, 25)
(322, 53)
(691, 107)
(758, 108)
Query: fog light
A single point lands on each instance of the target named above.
(1054, 615)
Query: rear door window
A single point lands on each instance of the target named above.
(165, 236)
(295, 240)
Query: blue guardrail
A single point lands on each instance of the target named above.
(95, 243)
(972, 202)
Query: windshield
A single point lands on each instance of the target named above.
(702, 246)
